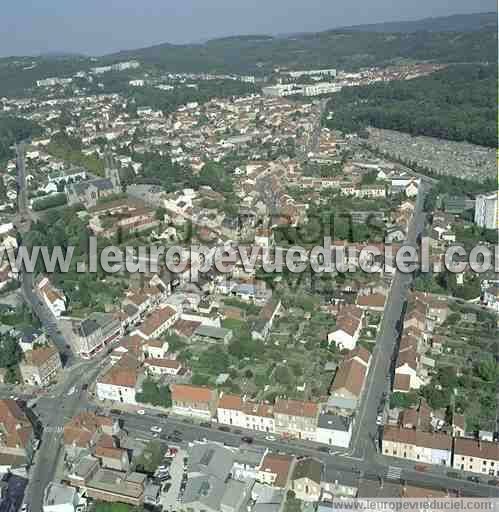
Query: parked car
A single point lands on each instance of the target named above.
(270, 438)
(224, 428)
(115, 411)
(473, 479)
(379, 420)
(205, 424)
(156, 429)
(141, 412)
(247, 439)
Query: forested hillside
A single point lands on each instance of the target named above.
(341, 49)
(454, 23)
(458, 103)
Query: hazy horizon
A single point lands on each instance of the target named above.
(96, 28)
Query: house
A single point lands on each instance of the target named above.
(113, 486)
(418, 446)
(348, 383)
(163, 366)
(372, 302)
(214, 334)
(40, 365)
(476, 456)
(118, 384)
(306, 480)
(17, 440)
(113, 458)
(60, 497)
(491, 298)
(29, 337)
(395, 234)
(275, 470)
(411, 189)
(194, 401)
(458, 425)
(239, 412)
(155, 349)
(83, 432)
(247, 462)
(53, 298)
(407, 364)
(334, 430)
(95, 332)
(348, 327)
(262, 326)
(296, 418)
(157, 323)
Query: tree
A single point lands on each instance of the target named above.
(154, 394)
(160, 213)
(151, 457)
(488, 370)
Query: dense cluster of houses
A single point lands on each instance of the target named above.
(420, 434)
(100, 459)
(424, 437)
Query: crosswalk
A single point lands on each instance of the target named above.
(394, 473)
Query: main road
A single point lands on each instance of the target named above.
(364, 439)
(139, 426)
(54, 410)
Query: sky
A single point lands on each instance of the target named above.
(96, 27)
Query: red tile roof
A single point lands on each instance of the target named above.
(186, 393)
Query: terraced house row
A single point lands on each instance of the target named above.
(295, 419)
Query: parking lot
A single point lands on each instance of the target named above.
(169, 498)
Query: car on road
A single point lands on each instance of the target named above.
(72, 391)
(247, 439)
(141, 412)
(156, 429)
(162, 415)
(270, 438)
(205, 424)
(167, 487)
(224, 429)
(324, 449)
(473, 479)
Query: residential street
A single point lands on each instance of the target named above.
(365, 434)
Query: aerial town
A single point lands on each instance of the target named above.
(196, 389)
